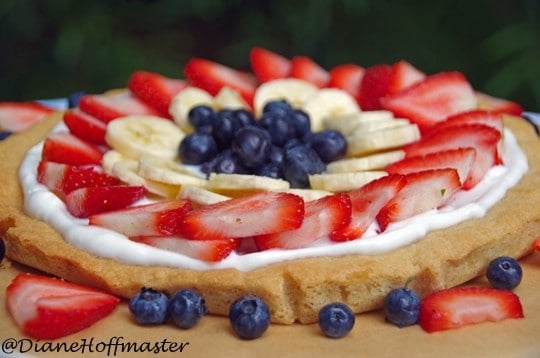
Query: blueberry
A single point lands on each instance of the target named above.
(149, 306)
(252, 145)
(300, 161)
(270, 170)
(249, 317)
(504, 273)
(329, 144)
(244, 117)
(201, 115)
(276, 155)
(228, 163)
(5, 134)
(186, 308)
(2, 249)
(74, 98)
(225, 127)
(197, 148)
(278, 126)
(336, 320)
(277, 106)
(300, 121)
(402, 307)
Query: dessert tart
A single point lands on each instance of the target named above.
(448, 250)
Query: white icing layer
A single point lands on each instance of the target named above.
(42, 204)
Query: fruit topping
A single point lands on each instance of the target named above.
(64, 147)
(50, 308)
(18, 116)
(149, 306)
(404, 75)
(268, 65)
(536, 244)
(402, 307)
(197, 148)
(85, 126)
(304, 68)
(460, 306)
(498, 105)
(186, 308)
(347, 77)
(504, 273)
(329, 144)
(249, 317)
(374, 86)
(109, 107)
(486, 118)
(336, 320)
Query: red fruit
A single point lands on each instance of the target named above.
(255, 214)
(487, 118)
(322, 216)
(433, 99)
(423, 191)
(346, 77)
(206, 250)
(156, 90)
(212, 77)
(85, 126)
(18, 116)
(536, 244)
(88, 201)
(482, 138)
(156, 219)
(374, 86)
(50, 308)
(498, 105)
(460, 306)
(461, 159)
(306, 69)
(404, 75)
(106, 108)
(63, 147)
(367, 201)
(63, 178)
(268, 65)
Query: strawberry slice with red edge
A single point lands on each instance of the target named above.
(461, 306)
(107, 107)
(482, 138)
(374, 86)
(423, 191)
(304, 68)
(347, 77)
(268, 65)
(88, 201)
(64, 147)
(487, 118)
(62, 179)
(85, 126)
(367, 201)
(18, 116)
(246, 216)
(205, 250)
(322, 216)
(212, 77)
(498, 105)
(156, 90)
(155, 219)
(49, 308)
(404, 75)
(433, 99)
(536, 244)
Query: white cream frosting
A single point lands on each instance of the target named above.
(42, 204)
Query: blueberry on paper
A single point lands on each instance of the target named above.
(504, 273)
(186, 308)
(149, 306)
(249, 317)
(402, 307)
(336, 320)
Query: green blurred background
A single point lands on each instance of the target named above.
(53, 48)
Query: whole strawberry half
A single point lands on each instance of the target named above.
(50, 308)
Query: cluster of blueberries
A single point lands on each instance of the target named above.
(280, 144)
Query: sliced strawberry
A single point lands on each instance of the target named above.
(306, 69)
(64, 178)
(268, 65)
(477, 116)
(107, 107)
(404, 75)
(322, 216)
(461, 159)
(433, 99)
(374, 86)
(85, 126)
(64, 147)
(49, 308)
(156, 90)
(255, 214)
(206, 250)
(498, 105)
(536, 244)
(212, 77)
(18, 116)
(346, 77)
(460, 306)
(423, 191)
(88, 201)
(367, 201)
(482, 138)
(156, 219)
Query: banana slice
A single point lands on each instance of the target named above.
(200, 196)
(328, 103)
(240, 184)
(184, 101)
(293, 90)
(362, 143)
(168, 171)
(342, 182)
(366, 121)
(138, 135)
(109, 159)
(375, 161)
(228, 98)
